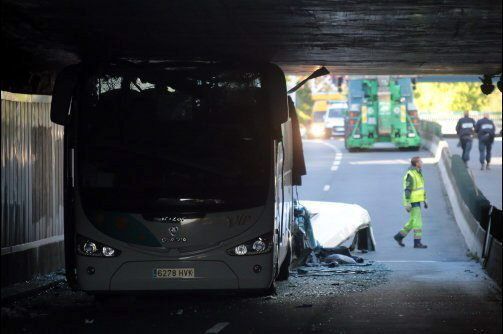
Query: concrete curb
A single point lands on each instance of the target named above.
(470, 228)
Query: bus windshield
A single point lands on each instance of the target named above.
(173, 139)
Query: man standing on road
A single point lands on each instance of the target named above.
(414, 194)
(464, 129)
(485, 131)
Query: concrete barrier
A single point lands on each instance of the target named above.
(470, 228)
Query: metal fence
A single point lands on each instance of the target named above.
(32, 177)
(449, 119)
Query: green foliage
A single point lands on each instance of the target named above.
(459, 96)
(304, 102)
(431, 128)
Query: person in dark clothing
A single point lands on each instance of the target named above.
(464, 129)
(485, 130)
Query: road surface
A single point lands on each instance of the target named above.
(434, 290)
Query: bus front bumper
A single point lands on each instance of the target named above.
(236, 273)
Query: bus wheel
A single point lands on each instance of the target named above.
(284, 270)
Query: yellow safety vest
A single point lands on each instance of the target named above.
(418, 193)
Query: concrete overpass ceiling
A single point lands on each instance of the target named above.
(350, 37)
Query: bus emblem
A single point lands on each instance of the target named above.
(173, 230)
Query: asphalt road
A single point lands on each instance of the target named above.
(406, 290)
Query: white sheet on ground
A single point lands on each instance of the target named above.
(333, 223)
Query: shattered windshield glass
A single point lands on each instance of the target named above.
(153, 139)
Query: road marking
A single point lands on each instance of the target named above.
(336, 150)
(326, 187)
(337, 159)
(217, 328)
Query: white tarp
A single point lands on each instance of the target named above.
(333, 223)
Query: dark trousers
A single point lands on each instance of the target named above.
(485, 151)
(466, 145)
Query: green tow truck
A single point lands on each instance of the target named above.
(381, 110)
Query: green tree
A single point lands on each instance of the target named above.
(304, 102)
(459, 96)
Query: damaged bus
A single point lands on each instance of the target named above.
(178, 176)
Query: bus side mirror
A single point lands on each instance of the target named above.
(62, 93)
(275, 84)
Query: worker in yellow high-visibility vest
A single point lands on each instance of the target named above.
(413, 195)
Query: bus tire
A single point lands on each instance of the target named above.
(284, 270)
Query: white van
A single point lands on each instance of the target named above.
(335, 117)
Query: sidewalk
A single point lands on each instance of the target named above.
(488, 181)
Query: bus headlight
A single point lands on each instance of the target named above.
(88, 247)
(108, 251)
(241, 250)
(260, 245)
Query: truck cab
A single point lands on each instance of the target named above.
(317, 125)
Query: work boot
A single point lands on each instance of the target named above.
(418, 244)
(399, 238)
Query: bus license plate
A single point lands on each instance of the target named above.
(174, 273)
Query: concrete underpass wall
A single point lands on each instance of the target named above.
(31, 188)
(474, 234)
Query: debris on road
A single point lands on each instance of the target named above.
(329, 272)
(37, 285)
(339, 258)
(317, 219)
(304, 306)
(270, 297)
(334, 223)
(301, 271)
